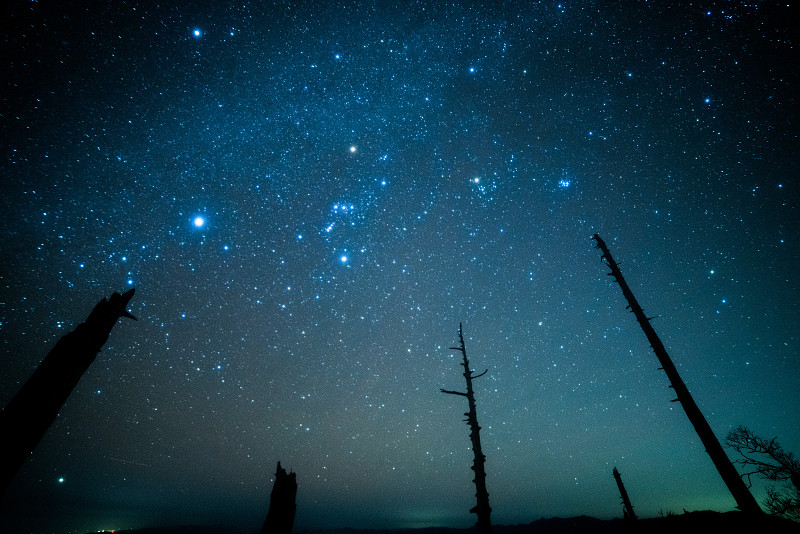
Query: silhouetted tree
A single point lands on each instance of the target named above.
(482, 508)
(744, 499)
(629, 514)
(29, 414)
(282, 507)
(767, 459)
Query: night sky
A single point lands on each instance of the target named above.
(310, 197)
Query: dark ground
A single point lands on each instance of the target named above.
(687, 523)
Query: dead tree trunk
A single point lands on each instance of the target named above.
(482, 508)
(744, 499)
(29, 414)
(282, 507)
(629, 514)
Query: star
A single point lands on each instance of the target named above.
(491, 145)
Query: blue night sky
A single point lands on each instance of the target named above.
(310, 197)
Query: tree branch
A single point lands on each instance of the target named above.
(763, 457)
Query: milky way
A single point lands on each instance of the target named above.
(310, 197)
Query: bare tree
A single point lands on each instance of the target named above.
(482, 508)
(740, 492)
(628, 510)
(282, 506)
(766, 458)
(29, 414)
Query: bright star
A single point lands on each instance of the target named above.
(199, 221)
(344, 259)
(353, 148)
(61, 480)
(197, 33)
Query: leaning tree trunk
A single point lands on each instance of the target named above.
(744, 499)
(482, 508)
(629, 514)
(29, 414)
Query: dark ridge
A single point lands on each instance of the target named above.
(687, 523)
(185, 529)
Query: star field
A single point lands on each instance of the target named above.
(310, 197)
